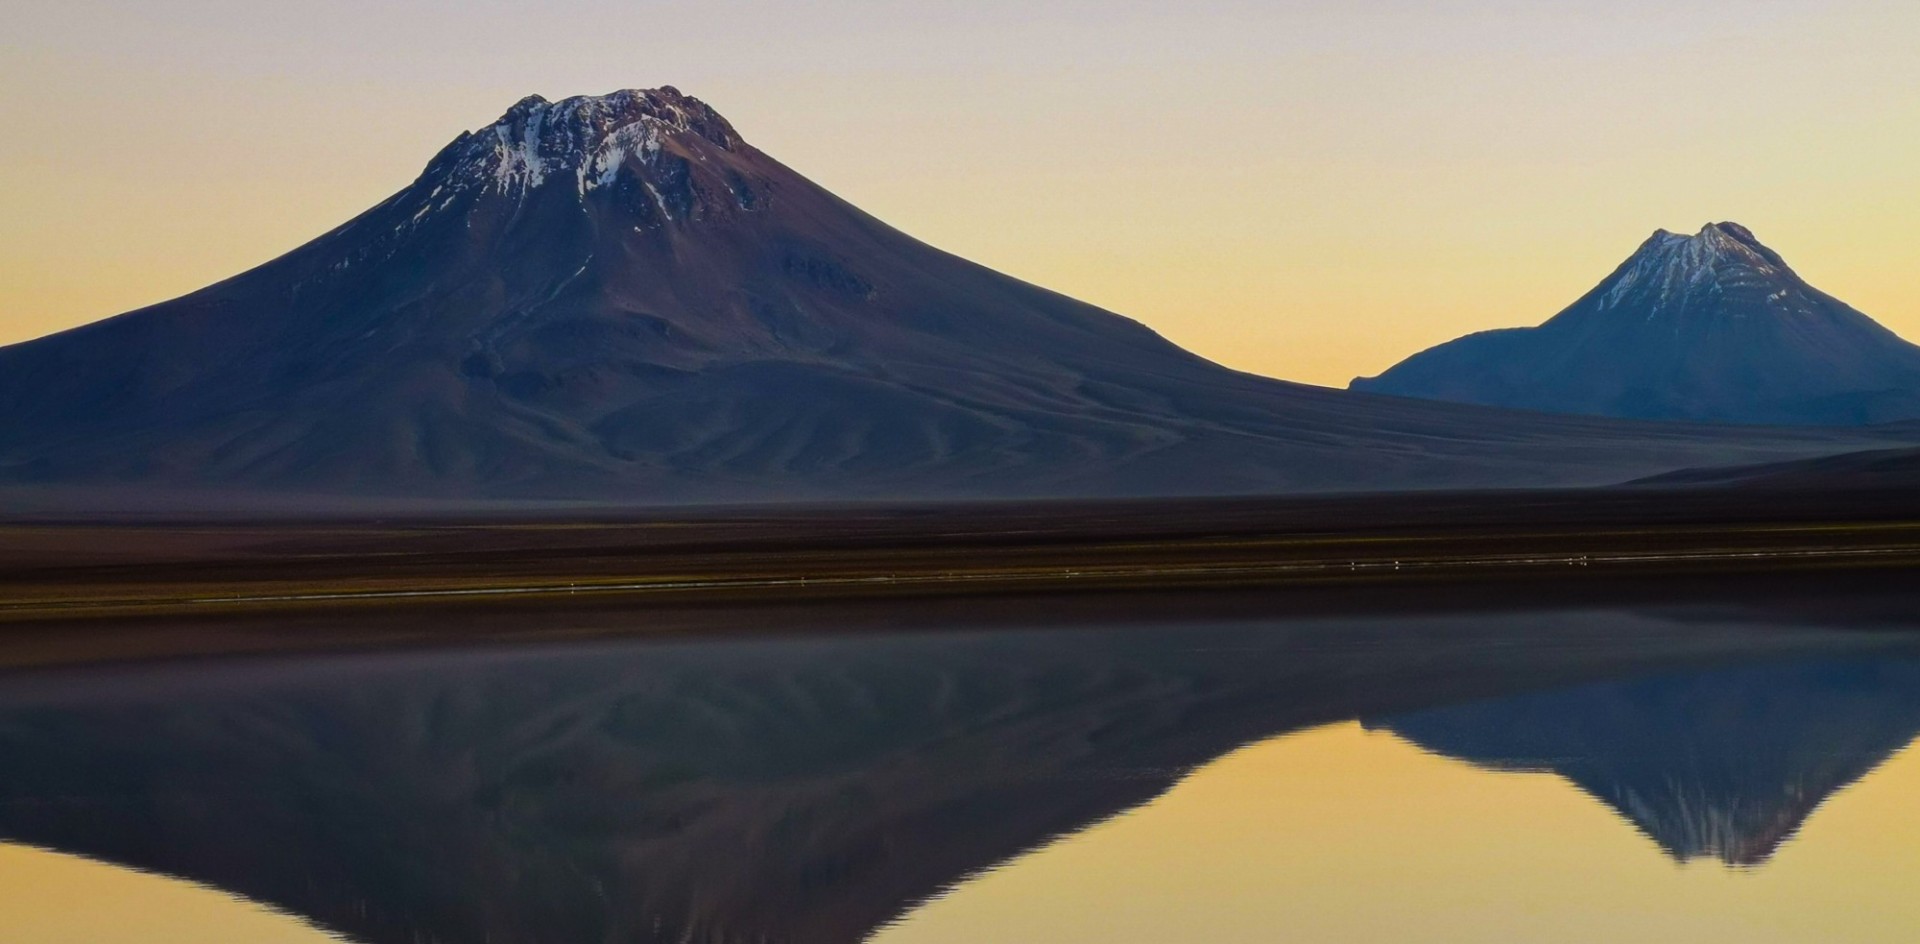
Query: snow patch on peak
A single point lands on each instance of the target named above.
(591, 136)
(517, 157)
(639, 141)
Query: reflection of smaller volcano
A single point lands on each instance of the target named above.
(1725, 764)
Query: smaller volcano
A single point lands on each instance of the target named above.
(1725, 765)
(1713, 327)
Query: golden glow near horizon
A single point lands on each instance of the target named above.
(1341, 835)
(1304, 188)
(54, 898)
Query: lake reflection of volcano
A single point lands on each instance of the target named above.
(1726, 764)
(803, 788)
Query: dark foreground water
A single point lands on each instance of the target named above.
(1174, 769)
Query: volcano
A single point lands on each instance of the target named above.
(1713, 327)
(617, 299)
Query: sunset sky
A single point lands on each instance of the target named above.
(1309, 189)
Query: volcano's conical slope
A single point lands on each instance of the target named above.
(617, 299)
(1713, 327)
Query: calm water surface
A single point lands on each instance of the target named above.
(1194, 769)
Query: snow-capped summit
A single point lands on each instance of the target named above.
(588, 138)
(638, 144)
(1713, 326)
(1723, 256)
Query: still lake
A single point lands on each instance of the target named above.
(1219, 767)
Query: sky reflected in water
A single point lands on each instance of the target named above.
(51, 898)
